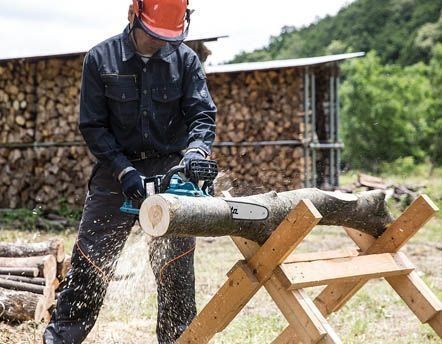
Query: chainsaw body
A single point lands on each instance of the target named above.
(199, 171)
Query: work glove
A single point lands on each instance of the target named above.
(191, 154)
(133, 185)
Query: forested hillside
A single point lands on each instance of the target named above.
(401, 31)
(391, 108)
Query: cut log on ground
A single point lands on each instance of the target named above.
(166, 214)
(22, 286)
(29, 272)
(46, 265)
(63, 268)
(32, 280)
(21, 305)
(54, 247)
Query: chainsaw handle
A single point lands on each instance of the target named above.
(168, 177)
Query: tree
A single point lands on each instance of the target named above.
(387, 112)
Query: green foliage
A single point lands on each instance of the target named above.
(400, 31)
(388, 112)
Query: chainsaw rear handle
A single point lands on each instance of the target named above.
(168, 177)
(199, 170)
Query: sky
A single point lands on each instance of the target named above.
(45, 27)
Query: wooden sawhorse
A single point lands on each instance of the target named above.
(344, 272)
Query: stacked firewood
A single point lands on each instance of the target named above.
(39, 102)
(258, 106)
(262, 168)
(58, 93)
(44, 176)
(30, 275)
(17, 102)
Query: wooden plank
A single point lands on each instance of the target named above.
(288, 336)
(436, 323)
(323, 272)
(223, 307)
(363, 240)
(334, 296)
(405, 227)
(296, 306)
(415, 293)
(312, 256)
(243, 283)
(289, 234)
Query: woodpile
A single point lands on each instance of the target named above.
(259, 105)
(44, 176)
(401, 193)
(17, 102)
(30, 275)
(58, 95)
(263, 168)
(39, 103)
(256, 107)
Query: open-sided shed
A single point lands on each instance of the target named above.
(277, 126)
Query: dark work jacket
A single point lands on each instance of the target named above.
(128, 107)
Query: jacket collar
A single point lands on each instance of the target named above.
(128, 49)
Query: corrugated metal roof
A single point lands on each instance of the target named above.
(277, 64)
(74, 54)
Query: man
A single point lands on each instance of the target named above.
(144, 101)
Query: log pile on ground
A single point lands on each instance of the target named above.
(402, 193)
(30, 275)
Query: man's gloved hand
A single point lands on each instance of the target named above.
(133, 185)
(190, 155)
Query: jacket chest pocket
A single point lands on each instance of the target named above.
(123, 100)
(166, 102)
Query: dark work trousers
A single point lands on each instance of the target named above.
(102, 233)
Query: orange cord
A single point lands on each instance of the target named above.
(173, 260)
(106, 278)
(104, 275)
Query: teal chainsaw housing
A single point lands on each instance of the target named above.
(176, 187)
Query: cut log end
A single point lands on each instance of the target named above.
(154, 216)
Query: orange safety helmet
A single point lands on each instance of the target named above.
(163, 19)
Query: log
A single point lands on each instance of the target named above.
(22, 286)
(54, 247)
(32, 280)
(29, 272)
(63, 268)
(46, 265)
(21, 305)
(166, 214)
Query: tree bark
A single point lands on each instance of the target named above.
(21, 305)
(211, 216)
(54, 247)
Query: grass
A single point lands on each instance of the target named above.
(375, 314)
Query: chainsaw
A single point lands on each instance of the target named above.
(199, 171)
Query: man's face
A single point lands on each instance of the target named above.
(145, 44)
